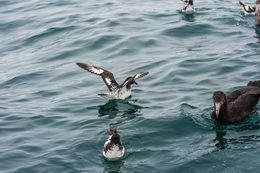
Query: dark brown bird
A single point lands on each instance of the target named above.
(238, 105)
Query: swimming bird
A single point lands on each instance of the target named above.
(113, 148)
(188, 7)
(247, 9)
(116, 91)
(238, 105)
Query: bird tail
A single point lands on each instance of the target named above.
(254, 83)
(107, 96)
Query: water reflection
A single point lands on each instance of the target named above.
(223, 142)
(124, 109)
(112, 166)
(188, 17)
(109, 109)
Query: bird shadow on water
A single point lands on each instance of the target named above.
(122, 110)
(188, 17)
(112, 166)
(222, 141)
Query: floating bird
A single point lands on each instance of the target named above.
(116, 91)
(188, 7)
(247, 9)
(113, 149)
(238, 105)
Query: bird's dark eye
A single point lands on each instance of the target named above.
(218, 99)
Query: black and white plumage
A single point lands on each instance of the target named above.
(116, 91)
(113, 148)
(247, 9)
(238, 105)
(188, 7)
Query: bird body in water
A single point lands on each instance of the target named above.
(113, 148)
(236, 106)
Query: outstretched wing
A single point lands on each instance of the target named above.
(107, 76)
(137, 76)
(130, 80)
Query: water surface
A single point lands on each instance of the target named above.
(51, 119)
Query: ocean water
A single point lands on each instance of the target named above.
(51, 119)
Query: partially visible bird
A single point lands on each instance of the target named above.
(188, 7)
(116, 91)
(247, 9)
(238, 105)
(113, 148)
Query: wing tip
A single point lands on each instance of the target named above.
(83, 65)
(80, 64)
(145, 73)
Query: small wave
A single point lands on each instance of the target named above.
(47, 33)
(6, 27)
(188, 31)
(22, 79)
(199, 117)
(102, 41)
(61, 56)
(111, 23)
(160, 15)
(46, 93)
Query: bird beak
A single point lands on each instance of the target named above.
(217, 108)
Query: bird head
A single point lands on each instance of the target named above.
(112, 131)
(219, 98)
(131, 80)
(115, 139)
(188, 2)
